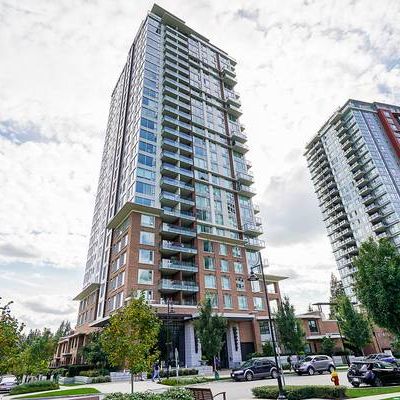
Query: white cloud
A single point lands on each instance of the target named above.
(296, 65)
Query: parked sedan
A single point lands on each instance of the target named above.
(255, 368)
(312, 364)
(7, 383)
(380, 357)
(374, 373)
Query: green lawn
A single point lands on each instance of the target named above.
(371, 391)
(66, 392)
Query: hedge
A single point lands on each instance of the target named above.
(171, 394)
(301, 392)
(101, 379)
(184, 381)
(37, 386)
(181, 372)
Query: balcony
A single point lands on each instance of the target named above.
(173, 266)
(171, 215)
(173, 199)
(234, 110)
(240, 147)
(246, 178)
(169, 285)
(372, 207)
(178, 230)
(252, 229)
(258, 221)
(232, 98)
(170, 132)
(168, 120)
(238, 136)
(376, 217)
(169, 155)
(256, 208)
(246, 190)
(174, 144)
(229, 77)
(172, 91)
(254, 244)
(174, 170)
(172, 184)
(177, 113)
(380, 227)
(176, 247)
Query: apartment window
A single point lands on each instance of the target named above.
(242, 301)
(145, 276)
(258, 303)
(147, 294)
(209, 281)
(209, 263)
(255, 286)
(147, 238)
(119, 299)
(240, 284)
(223, 250)
(264, 328)
(145, 188)
(225, 282)
(238, 268)
(147, 220)
(236, 252)
(312, 325)
(146, 256)
(224, 265)
(228, 301)
(207, 246)
(213, 297)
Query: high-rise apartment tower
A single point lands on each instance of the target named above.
(354, 165)
(174, 217)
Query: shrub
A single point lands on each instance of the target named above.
(101, 379)
(36, 386)
(181, 372)
(75, 370)
(301, 392)
(171, 394)
(91, 373)
(184, 381)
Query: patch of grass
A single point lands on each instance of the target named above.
(371, 391)
(66, 392)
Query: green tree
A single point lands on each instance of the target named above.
(267, 349)
(354, 325)
(63, 330)
(10, 338)
(93, 352)
(210, 329)
(377, 283)
(131, 336)
(289, 328)
(37, 353)
(327, 346)
(336, 291)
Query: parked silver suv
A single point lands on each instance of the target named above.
(312, 364)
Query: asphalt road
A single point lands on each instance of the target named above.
(242, 390)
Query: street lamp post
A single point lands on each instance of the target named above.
(253, 277)
(170, 310)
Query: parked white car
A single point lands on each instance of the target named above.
(7, 383)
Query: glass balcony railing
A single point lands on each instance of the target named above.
(174, 285)
(165, 181)
(250, 228)
(178, 170)
(255, 244)
(174, 265)
(188, 215)
(178, 247)
(176, 156)
(180, 230)
(176, 198)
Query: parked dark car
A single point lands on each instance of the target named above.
(374, 373)
(7, 383)
(255, 368)
(380, 357)
(312, 364)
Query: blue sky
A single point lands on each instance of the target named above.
(297, 62)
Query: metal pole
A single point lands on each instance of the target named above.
(281, 395)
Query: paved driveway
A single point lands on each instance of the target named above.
(242, 390)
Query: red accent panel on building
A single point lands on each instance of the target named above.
(390, 133)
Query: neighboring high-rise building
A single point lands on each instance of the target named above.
(174, 217)
(354, 165)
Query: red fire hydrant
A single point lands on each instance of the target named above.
(335, 378)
